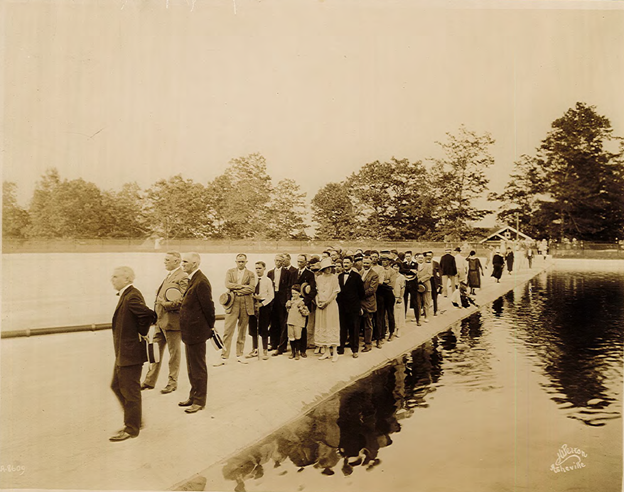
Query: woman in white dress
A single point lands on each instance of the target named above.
(327, 322)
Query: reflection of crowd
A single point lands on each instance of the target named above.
(351, 428)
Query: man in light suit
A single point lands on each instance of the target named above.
(197, 318)
(168, 323)
(280, 277)
(370, 281)
(350, 306)
(131, 320)
(242, 284)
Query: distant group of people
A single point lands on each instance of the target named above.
(328, 303)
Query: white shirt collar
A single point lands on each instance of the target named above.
(123, 289)
(193, 273)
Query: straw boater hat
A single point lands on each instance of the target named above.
(306, 289)
(226, 299)
(326, 263)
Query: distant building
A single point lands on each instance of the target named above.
(505, 234)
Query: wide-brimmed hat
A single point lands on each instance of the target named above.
(326, 263)
(421, 288)
(226, 299)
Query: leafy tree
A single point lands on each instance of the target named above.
(285, 213)
(394, 199)
(578, 185)
(67, 209)
(15, 219)
(459, 178)
(125, 212)
(240, 196)
(178, 208)
(333, 212)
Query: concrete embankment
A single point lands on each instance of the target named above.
(58, 410)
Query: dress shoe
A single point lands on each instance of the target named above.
(121, 436)
(194, 408)
(168, 389)
(304, 355)
(265, 355)
(355, 355)
(366, 349)
(252, 354)
(241, 360)
(185, 403)
(146, 387)
(220, 362)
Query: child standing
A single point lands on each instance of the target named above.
(297, 313)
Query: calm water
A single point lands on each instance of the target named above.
(485, 406)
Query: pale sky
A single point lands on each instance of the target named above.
(320, 88)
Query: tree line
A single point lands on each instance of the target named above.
(572, 187)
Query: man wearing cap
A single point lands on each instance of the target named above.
(197, 317)
(168, 323)
(448, 269)
(131, 320)
(307, 280)
(370, 282)
(350, 306)
(260, 321)
(357, 263)
(281, 287)
(241, 283)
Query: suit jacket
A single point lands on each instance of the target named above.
(249, 286)
(168, 312)
(283, 294)
(436, 279)
(407, 273)
(448, 266)
(351, 292)
(371, 282)
(197, 313)
(293, 271)
(132, 317)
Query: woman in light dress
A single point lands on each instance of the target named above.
(327, 323)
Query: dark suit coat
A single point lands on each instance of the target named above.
(436, 279)
(169, 312)
(448, 266)
(405, 270)
(283, 294)
(197, 313)
(293, 271)
(132, 317)
(307, 276)
(351, 292)
(371, 282)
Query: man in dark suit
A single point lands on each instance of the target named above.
(168, 323)
(411, 297)
(280, 277)
(303, 275)
(286, 263)
(197, 318)
(370, 281)
(350, 306)
(448, 269)
(436, 280)
(131, 320)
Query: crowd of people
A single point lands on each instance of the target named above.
(327, 303)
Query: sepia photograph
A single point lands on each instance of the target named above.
(312, 245)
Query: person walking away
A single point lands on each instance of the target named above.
(475, 270)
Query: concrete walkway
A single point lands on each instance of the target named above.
(57, 411)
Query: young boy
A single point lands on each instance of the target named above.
(461, 298)
(297, 312)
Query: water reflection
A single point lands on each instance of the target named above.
(568, 326)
